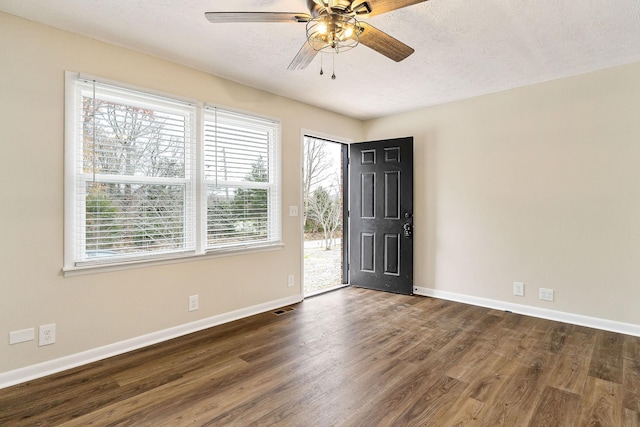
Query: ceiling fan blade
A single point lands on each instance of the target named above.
(383, 43)
(366, 8)
(303, 58)
(222, 17)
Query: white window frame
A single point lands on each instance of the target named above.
(259, 126)
(196, 187)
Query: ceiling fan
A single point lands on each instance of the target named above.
(332, 25)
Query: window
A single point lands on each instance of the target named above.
(152, 177)
(239, 168)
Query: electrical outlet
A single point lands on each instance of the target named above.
(47, 334)
(546, 294)
(291, 281)
(518, 289)
(193, 302)
(293, 211)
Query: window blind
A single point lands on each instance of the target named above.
(135, 189)
(241, 177)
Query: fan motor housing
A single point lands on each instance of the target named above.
(337, 6)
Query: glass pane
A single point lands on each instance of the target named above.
(237, 215)
(124, 219)
(236, 154)
(125, 140)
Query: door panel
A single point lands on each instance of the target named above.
(392, 254)
(381, 215)
(368, 195)
(392, 195)
(368, 254)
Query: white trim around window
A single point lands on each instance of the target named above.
(152, 178)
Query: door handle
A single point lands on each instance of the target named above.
(407, 229)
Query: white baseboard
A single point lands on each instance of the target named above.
(43, 369)
(543, 313)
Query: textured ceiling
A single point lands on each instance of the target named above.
(463, 48)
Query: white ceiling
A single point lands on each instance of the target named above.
(463, 48)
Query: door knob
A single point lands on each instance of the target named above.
(407, 229)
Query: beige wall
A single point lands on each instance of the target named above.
(100, 309)
(538, 184)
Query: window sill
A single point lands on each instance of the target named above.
(106, 268)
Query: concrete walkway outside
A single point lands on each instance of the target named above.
(322, 268)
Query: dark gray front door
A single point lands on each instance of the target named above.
(381, 215)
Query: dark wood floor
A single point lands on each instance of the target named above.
(354, 357)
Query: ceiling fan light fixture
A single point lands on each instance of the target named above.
(333, 32)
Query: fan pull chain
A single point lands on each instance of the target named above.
(333, 57)
(333, 76)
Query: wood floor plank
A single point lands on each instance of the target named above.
(353, 357)
(462, 413)
(483, 352)
(391, 401)
(555, 408)
(570, 370)
(601, 404)
(437, 340)
(167, 399)
(349, 390)
(557, 339)
(489, 381)
(606, 360)
(515, 402)
(582, 336)
(631, 383)
(362, 396)
(429, 408)
(631, 348)
(631, 418)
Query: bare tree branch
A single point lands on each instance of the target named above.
(317, 165)
(325, 209)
